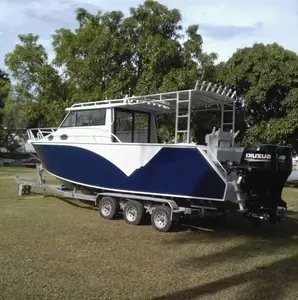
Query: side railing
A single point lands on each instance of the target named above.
(35, 134)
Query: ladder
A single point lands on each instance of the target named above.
(226, 108)
(184, 116)
(227, 117)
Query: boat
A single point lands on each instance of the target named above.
(111, 148)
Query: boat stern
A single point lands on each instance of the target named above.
(261, 177)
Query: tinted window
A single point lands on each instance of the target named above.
(98, 117)
(83, 118)
(132, 126)
(94, 117)
(141, 128)
(123, 121)
(70, 120)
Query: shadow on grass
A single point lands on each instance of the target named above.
(275, 276)
(202, 230)
(266, 282)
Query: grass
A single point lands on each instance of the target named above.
(56, 249)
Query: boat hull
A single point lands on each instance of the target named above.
(143, 169)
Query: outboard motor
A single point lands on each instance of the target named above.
(265, 170)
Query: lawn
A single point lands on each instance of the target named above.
(56, 249)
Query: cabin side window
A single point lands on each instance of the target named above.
(92, 117)
(132, 126)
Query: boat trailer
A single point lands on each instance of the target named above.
(164, 212)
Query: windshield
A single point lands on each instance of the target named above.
(92, 117)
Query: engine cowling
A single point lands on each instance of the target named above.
(265, 169)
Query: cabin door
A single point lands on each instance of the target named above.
(132, 126)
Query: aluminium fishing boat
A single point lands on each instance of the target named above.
(111, 148)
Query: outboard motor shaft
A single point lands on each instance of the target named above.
(265, 170)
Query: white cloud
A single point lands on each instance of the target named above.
(278, 18)
(225, 25)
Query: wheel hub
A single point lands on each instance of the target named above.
(160, 220)
(106, 208)
(131, 214)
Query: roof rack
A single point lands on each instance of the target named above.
(207, 92)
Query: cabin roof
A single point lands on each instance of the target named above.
(202, 96)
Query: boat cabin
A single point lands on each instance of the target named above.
(122, 123)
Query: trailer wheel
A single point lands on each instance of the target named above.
(161, 218)
(108, 208)
(133, 212)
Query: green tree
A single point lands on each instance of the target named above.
(4, 91)
(9, 127)
(12, 134)
(107, 56)
(266, 80)
(38, 87)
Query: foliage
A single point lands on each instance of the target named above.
(4, 91)
(11, 130)
(38, 83)
(7, 115)
(110, 56)
(266, 77)
(11, 139)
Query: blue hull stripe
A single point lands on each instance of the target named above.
(172, 171)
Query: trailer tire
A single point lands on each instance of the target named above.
(161, 218)
(133, 212)
(108, 208)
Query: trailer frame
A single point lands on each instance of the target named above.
(149, 204)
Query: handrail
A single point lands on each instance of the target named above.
(43, 128)
(40, 134)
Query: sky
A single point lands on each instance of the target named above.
(224, 25)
